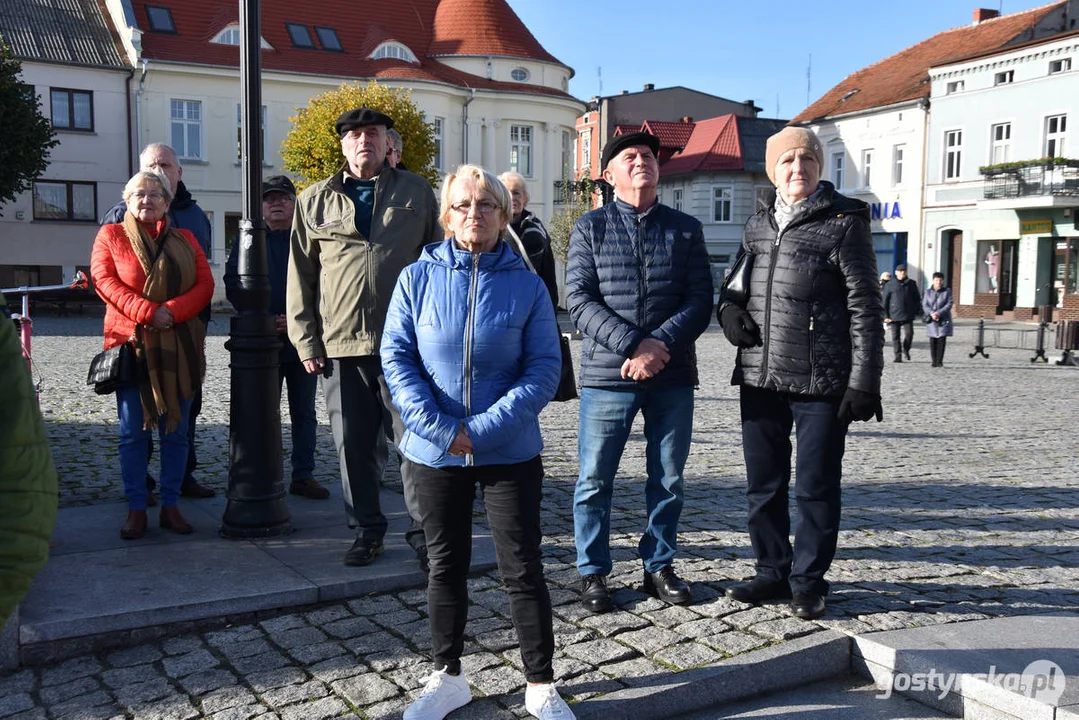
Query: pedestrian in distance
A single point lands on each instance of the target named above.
(184, 214)
(155, 281)
(343, 266)
(937, 308)
(639, 288)
(902, 305)
(810, 356)
(471, 357)
(27, 475)
(884, 277)
(278, 207)
(531, 233)
(395, 147)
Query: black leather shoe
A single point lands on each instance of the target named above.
(667, 586)
(906, 354)
(191, 488)
(759, 590)
(807, 605)
(363, 552)
(425, 564)
(595, 597)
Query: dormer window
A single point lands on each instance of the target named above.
(230, 35)
(519, 74)
(160, 19)
(1059, 66)
(327, 37)
(393, 50)
(299, 35)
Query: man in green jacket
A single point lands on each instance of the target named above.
(27, 476)
(352, 234)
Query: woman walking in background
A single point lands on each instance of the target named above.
(937, 306)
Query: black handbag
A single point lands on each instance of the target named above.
(567, 381)
(736, 287)
(112, 369)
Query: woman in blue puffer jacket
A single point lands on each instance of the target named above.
(471, 356)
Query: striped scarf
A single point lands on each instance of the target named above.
(174, 358)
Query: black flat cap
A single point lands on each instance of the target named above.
(278, 183)
(620, 142)
(900, 268)
(358, 117)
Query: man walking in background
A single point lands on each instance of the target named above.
(902, 304)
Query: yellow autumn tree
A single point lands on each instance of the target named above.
(312, 150)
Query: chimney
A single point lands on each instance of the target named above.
(686, 119)
(624, 92)
(648, 87)
(982, 14)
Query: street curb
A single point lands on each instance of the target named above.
(790, 664)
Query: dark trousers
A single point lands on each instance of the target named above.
(512, 494)
(358, 420)
(395, 430)
(767, 418)
(908, 336)
(302, 386)
(936, 350)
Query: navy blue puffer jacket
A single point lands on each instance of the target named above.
(633, 276)
(470, 339)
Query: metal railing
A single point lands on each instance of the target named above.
(1032, 180)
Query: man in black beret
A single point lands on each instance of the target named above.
(639, 288)
(902, 304)
(343, 267)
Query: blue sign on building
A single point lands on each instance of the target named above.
(884, 211)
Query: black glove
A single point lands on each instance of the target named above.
(739, 327)
(858, 405)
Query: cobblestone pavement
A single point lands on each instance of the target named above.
(961, 505)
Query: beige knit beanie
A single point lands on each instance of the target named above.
(786, 139)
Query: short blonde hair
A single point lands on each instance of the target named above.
(512, 179)
(151, 175)
(483, 180)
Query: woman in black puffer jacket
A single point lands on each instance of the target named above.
(810, 338)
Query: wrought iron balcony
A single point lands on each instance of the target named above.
(1055, 177)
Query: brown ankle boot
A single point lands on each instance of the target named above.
(171, 519)
(135, 525)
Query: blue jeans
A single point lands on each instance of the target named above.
(134, 450)
(606, 419)
(301, 410)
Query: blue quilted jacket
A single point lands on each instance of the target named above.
(470, 339)
(631, 277)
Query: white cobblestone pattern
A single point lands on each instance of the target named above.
(962, 504)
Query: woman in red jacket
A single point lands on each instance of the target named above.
(154, 279)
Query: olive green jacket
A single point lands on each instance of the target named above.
(27, 476)
(339, 282)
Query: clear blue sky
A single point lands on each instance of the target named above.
(739, 49)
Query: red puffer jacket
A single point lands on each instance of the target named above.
(118, 279)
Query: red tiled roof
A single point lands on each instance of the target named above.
(624, 129)
(905, 75)
(360, 27)
(672, 135)
(714, 146)
(481, 27)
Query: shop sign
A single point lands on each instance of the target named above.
(1035, 227)
(884, 211)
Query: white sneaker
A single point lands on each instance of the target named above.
(442, 694)
(544, 702)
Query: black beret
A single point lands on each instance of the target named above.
(358, 117)
(278, 183)
(620, 142)
(900, 268)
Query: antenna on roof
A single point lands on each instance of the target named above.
(809, 72)
(599, 75)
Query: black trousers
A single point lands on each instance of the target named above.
(359, 416)
(936, 350)
(767, 419)
(512, 494)
(908, 336)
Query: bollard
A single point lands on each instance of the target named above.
(1039, 352)
(979, 344)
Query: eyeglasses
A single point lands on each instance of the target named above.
(483, 207)
(155, 195)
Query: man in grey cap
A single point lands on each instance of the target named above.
(278, 206)
(352, 235)
(639, 288)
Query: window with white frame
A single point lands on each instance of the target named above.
(394, 50)
(1000, 143)
(439, 125)
(185, 121)
(953, 154)
(567, 155)
(521, 149)
(1004, 78)
(1059, 66)
(230, 35)
(1056, 131)
(898, 151)
(520, 74)
(867, 168)
(722, 196)
(676, 203)
(954, 87)
(586, 149)
(240, 132)
(837, 170)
